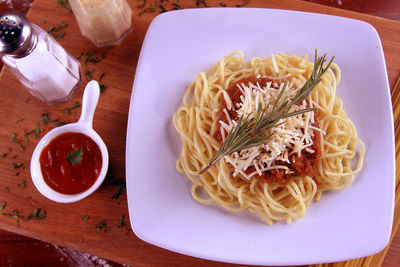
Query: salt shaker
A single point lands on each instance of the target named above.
(104, 22)
(39, 62)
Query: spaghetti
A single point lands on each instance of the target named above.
(304, 156)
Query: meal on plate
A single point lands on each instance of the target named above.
(268, 135)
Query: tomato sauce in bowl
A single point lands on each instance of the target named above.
(71, 163)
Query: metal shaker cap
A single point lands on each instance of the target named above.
(15, 34)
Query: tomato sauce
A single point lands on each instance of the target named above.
(66, 177)
(235, 94)
(300, 166)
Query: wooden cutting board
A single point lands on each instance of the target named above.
(21, 126)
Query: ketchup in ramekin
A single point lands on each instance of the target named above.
(71, 163)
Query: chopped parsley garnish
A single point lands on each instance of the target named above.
(74, 106)
(16, 165)
(101, 225)
(142, 5)
(119, 182)
(4, 155)
(162, 8)
(53, 30)
(81, 55)
(102, 76)
(61, 123)
(201, 2)
(33, 133)
(177, 5)
(6, 189)
(85, 217)
(13, 135)
(3, 205)
(89, 74)
(74, 156)
(11, 215)
(20, 146)
(61, 35)
(45, 117)
(102, 87)
(37, 129)
(150, 9)
(122, 222)
(37, 214)
(90, 57)
(64, 4)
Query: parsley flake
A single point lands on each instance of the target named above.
(53, 30)
(201, 2)
(11, 215)
(74, 156)
(120, 182)
(89, 74)
(122, 222)
(74, 106)
(101, 225)
(16, 165)
(90, 57)
(102, 87)
(64, 4)
(37, 214)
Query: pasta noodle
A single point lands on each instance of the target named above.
(236, 182)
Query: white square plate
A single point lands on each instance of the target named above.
(345, 224)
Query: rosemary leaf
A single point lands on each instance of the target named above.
(251, 131)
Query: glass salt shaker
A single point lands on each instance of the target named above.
(104, 22)
(39, 62)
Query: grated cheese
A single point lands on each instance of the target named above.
(291, 137)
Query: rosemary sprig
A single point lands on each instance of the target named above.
(251, 131)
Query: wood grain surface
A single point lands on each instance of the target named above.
(64, 225)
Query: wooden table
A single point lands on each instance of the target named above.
(64, 224)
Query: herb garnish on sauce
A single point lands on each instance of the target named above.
(75, 156)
